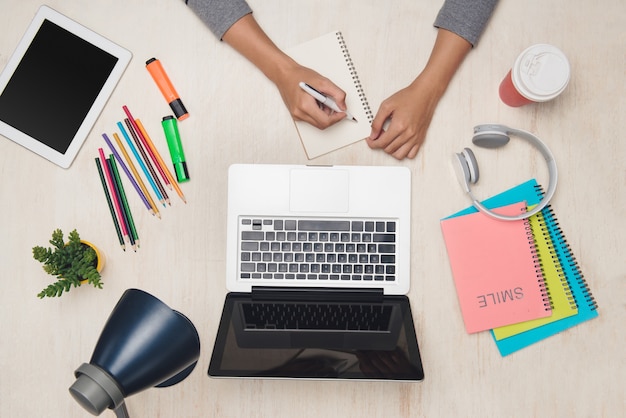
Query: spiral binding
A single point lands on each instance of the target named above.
(545, 295)
(553, 255)
(355, 77)
(553, 227)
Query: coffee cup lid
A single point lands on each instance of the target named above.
(541, 72)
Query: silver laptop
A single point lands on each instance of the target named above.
(317, 269)
(285, 222)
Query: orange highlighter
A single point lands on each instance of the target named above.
(167, 88)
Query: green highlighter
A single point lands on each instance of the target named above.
(170, 127)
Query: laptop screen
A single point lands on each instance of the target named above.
(380, 344)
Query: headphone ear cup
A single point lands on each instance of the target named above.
(472, 165)
(462, 171)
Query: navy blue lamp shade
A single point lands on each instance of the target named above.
(143, 344)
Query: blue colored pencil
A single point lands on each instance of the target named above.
(140, 161)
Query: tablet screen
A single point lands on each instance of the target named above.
(54, 86)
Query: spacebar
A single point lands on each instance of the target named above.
(324, 225)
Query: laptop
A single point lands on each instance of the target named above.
(317, 266)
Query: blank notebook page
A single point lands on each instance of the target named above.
(329, 56)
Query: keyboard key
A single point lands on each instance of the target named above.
(357, 225)
(384, 237)
(252, 235)
(248, 267)
(314, 225)
(386, 248)
(249, 246)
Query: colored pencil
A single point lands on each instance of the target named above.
(129, 141)
(111, 209)
(159, 165)
(124, 214)
(128, 174)
(142, 149)
(129, 215)
(142, 186)
(112, 189)
(146, 160)
(173, 182)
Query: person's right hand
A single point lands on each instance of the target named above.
(247, 37)
(302, 105)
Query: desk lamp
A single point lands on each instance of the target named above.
(144, 343)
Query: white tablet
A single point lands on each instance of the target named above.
(55, 85)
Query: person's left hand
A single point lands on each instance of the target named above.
(409, 111)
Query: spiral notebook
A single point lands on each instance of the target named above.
(496, 272)
(329, 56)
(563, 303)
(531, 192)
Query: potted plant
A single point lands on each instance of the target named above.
(73, 263)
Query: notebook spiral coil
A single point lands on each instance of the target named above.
(545, 295)
(355, 77)
(554, 256)
(567, 259)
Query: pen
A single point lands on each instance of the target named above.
(325, 100)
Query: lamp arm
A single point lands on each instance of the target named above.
(121, 411)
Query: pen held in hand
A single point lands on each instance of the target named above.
(325, 100)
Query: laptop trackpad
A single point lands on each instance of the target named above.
(319, 190)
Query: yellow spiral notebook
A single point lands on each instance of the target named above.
(563, 303)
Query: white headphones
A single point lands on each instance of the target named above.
(495, 136)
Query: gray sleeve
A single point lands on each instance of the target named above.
(466, 18)
(219, 15)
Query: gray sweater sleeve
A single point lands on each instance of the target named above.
(219, 15)
(466, 18)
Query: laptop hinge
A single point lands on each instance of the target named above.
(317, 293)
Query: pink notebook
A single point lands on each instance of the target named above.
(495, 268)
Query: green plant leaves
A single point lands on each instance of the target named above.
(70, 262)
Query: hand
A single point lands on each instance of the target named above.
(247, 37)
(409, 111)
(302, 105)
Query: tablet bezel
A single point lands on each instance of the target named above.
(123, 56)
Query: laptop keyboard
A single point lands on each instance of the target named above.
(316, 316)
(317, 249)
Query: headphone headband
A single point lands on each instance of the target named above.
(494, 136)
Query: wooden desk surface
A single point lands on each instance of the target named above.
(238, 116)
